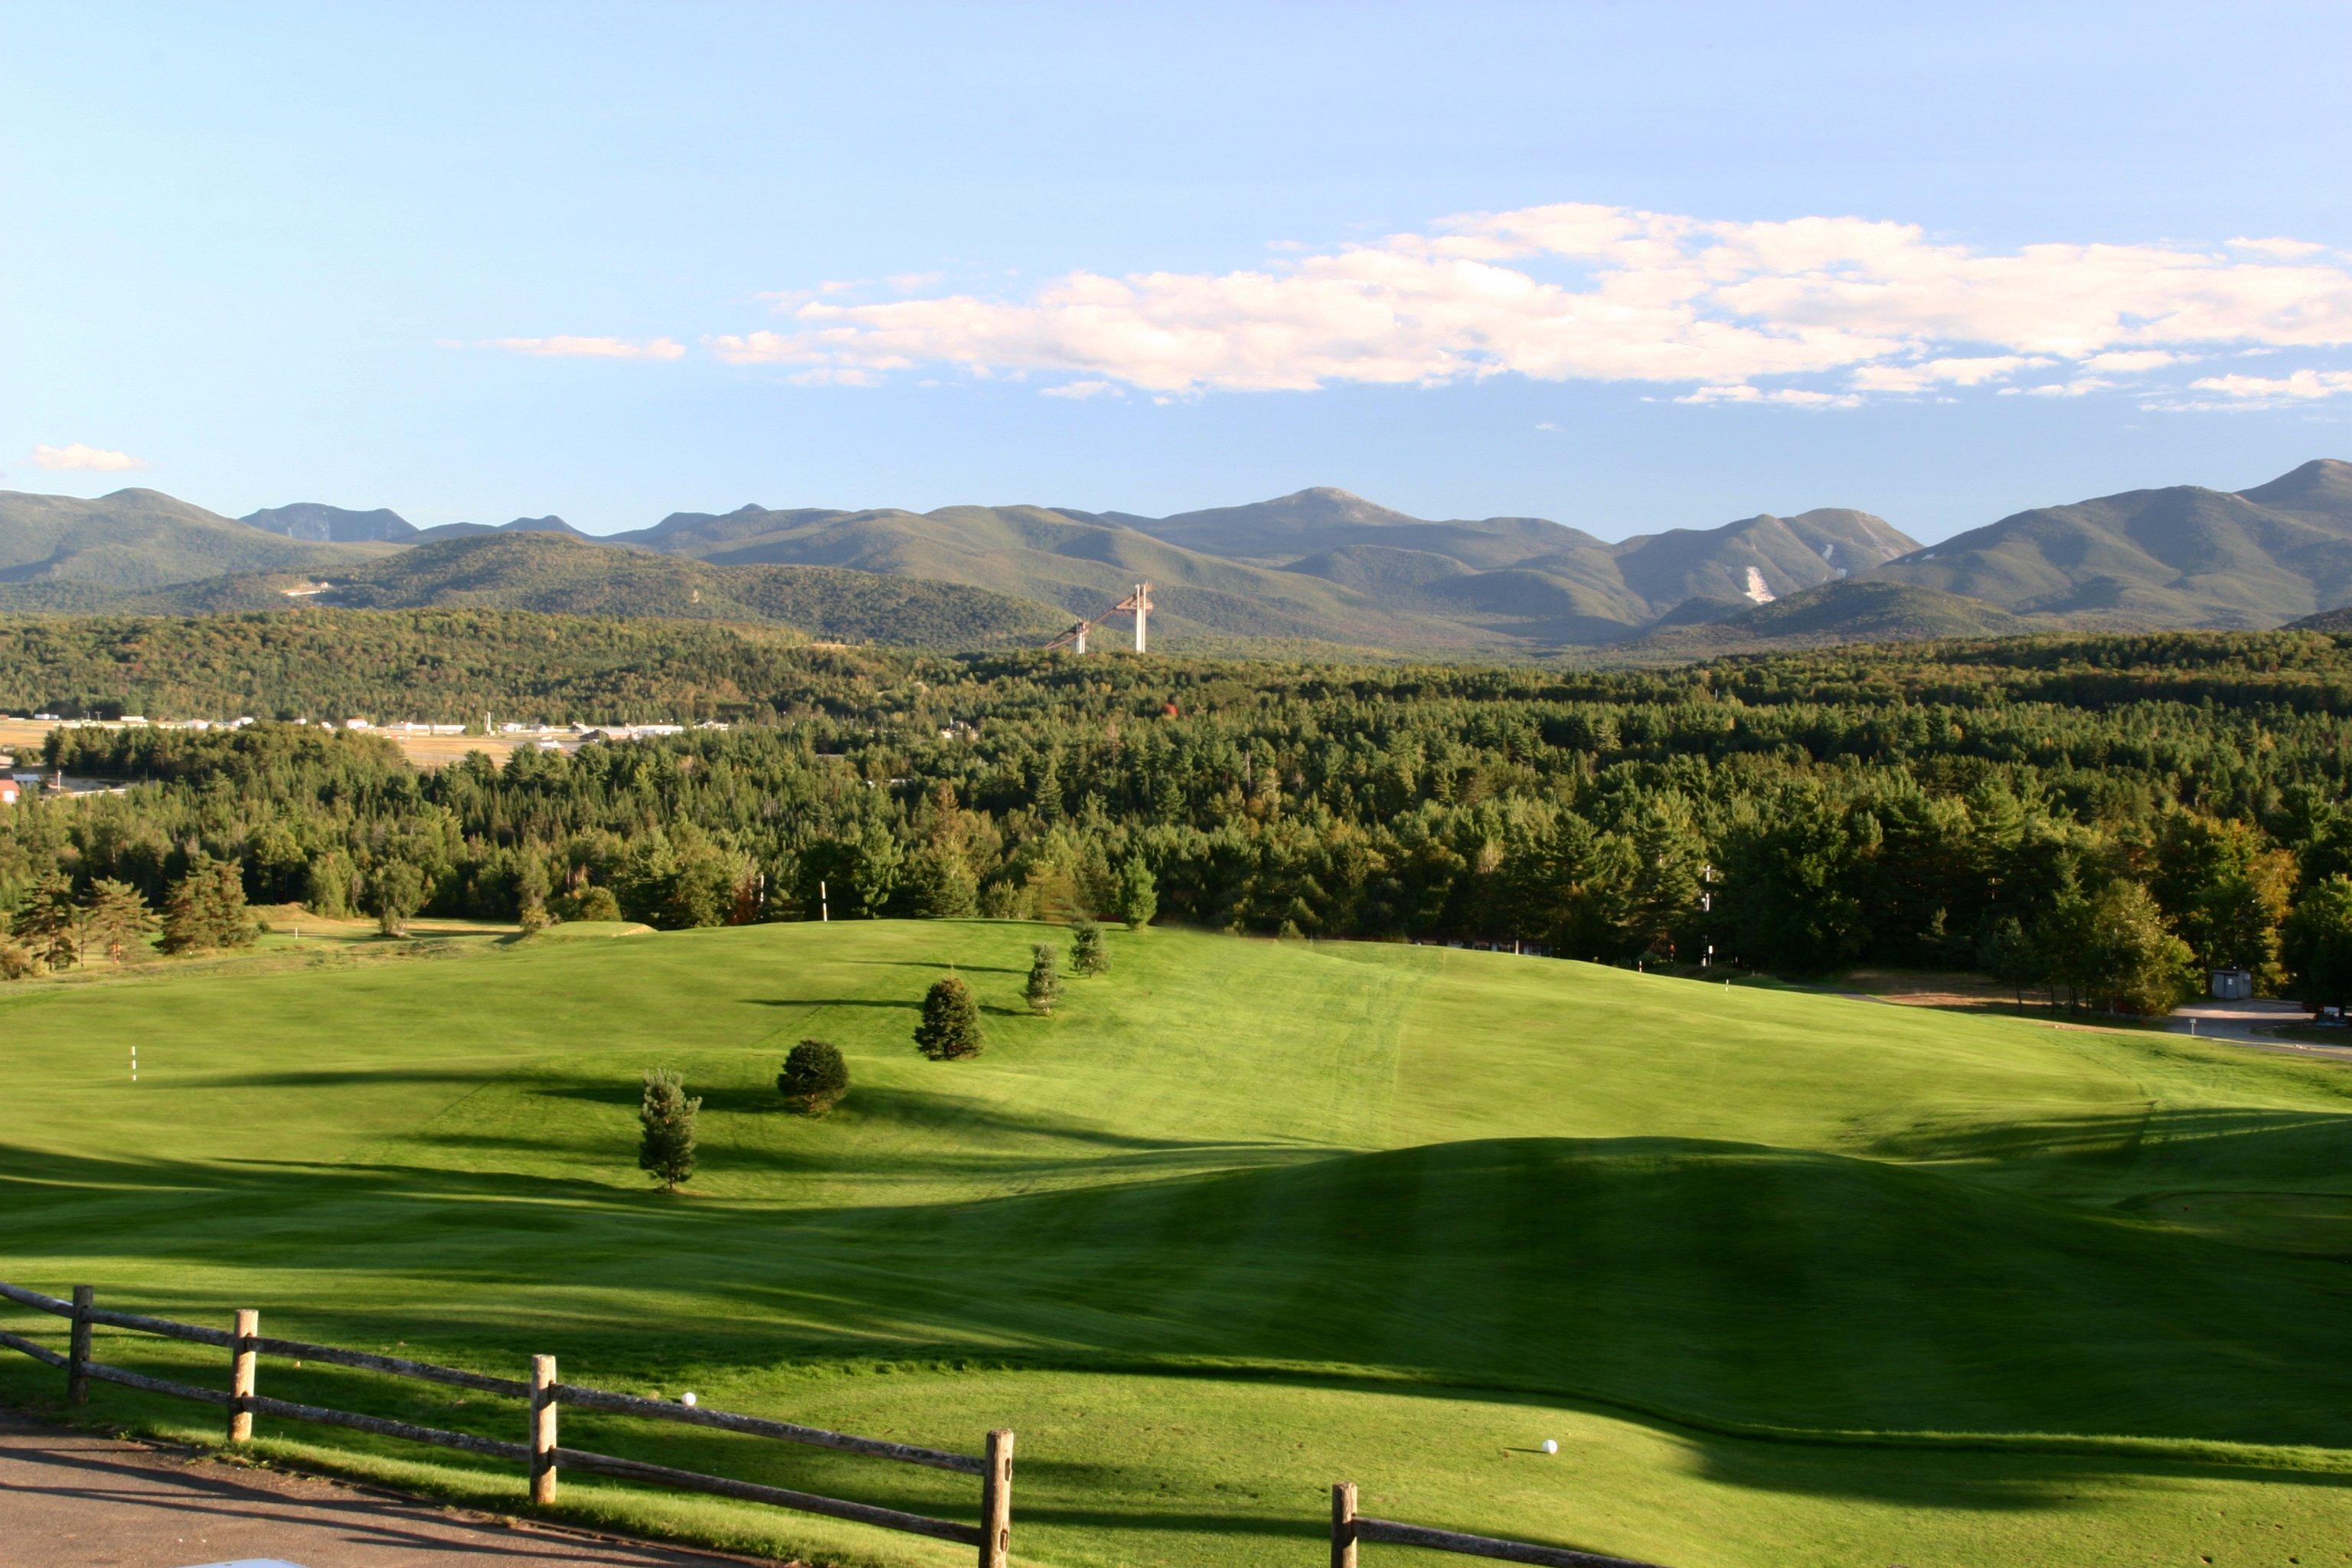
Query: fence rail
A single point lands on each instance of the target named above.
(1349, 1527)
(543, 1454)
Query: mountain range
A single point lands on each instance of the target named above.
(1321, 566)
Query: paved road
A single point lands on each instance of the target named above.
(69, 1500)
(2247, 1024)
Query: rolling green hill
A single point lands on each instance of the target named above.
(1790, 1277)
(1850, 611)
(309, 520)
(549, 573)
(1080, 565)
(65, 552)
(2181, 556)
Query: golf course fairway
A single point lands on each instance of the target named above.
(1789, 1278)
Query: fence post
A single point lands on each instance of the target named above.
(996, 1502)
(1343, 1525)
(240, 1374)
(78, 1351)
(542, 1431)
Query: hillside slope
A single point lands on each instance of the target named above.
(550, 574)
(68, 550)
(2183, 555)
(1079, 563)
(2023, 1291)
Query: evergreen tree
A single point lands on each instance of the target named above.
(950, 1028)
(2316, 946)
(1088, 953)
(206, 908)
(116, 921)
(330, 886)
(395, 892)
(666, 1117)
(48, 922)
(1137, 898)
(1044, 984)
(2008, 955)
(531, 894)
(815, 1078)
(940, 884)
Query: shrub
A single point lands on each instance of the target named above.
(665, 1147)
(815, 1078)
(950, 1028)
(1087, 954)
(592, 902)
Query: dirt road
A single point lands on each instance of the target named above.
(71, 1499)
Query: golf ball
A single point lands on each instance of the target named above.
(687, 1398)
(1551, 1447)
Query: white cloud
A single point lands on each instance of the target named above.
(591, 348)
(1582, 292)
(2275, 391)
(2080, 387)
(2288, 250)
(1083, 389)
(87, 460)
(1965, 371)
(2132, 362)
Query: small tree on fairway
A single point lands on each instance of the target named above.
(1138, 896)
(116, 919)
(950, 1028)
(815, 1078)
(1044, 984)
(1087, 954)
(666, 1149)
(396, 891)
(50, 922)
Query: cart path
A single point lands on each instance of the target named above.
(80, 1500)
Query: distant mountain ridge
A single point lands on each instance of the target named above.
(2182, 555)
(1319, 565)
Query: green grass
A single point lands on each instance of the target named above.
(1790, 1277)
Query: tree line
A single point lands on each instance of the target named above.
(2101, 816)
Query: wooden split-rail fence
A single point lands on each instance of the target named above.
(543, 1454)
(546, 1457)
(1349, 1529)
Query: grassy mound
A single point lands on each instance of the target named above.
(1790, 1277)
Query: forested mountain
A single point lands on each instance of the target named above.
(65, 550)
(1318, 567)
(1080, 564)
(2178, 556)
(332, 524)
(552, 573)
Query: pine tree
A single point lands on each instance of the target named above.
(50, 922)
(1087, 954)
(815, 1078)
(530, 894)
(115, 920)
(950, 1028)
(2317, 945)
(206, 908)
(665, 1147)
(1138, 895)
(2008, 955)
(1043, 983)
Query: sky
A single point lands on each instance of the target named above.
(1629, 267)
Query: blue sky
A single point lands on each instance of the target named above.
(479, 261)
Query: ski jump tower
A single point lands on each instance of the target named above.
(1137, 604)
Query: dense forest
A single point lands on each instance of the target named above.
(2104, 816)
